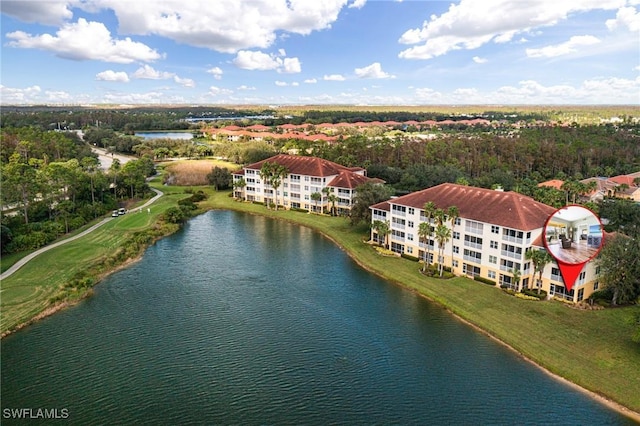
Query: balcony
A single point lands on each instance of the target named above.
(512, 255)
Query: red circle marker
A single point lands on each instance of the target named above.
(573, 235)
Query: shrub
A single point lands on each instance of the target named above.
(484, 280)
(409, 257)
(534, 293)
(525, 297)
(174, 215)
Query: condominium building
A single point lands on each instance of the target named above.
(305, 176)
(489, 239)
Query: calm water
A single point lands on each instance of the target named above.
(239, 319)
(165, 135)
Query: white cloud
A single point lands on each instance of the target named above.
(217, 91)
(637, 68)
(44, 12)
(58, 96)
(565, 48)
(372, 71)
(216, 71)
(333, 77)
(295, 84)
(479, 60)
(627, 17)
(255, 60)
(149, 73)
(358, 4)
(185, 82)
(11, 95)
(244, 87)
(290, 66)
(229, 26)
(85, 40)
(110, 75)
(471, 24)
(281, 83)
(311, 81)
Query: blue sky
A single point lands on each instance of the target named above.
(355, 52)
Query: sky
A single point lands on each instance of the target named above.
(311, 52)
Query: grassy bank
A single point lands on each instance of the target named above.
(66, 273)
(590, 348)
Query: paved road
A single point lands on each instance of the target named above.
(19, 264)
(106, 159)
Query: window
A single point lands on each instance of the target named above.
(455, 263)
(456, 249)
(458, 221)
(596, 285)
(597, 270)
(410, 224)
(400, 210)
(410, 237)
(511, 251)
(410, 249)
(493, 259)
(580, 294)
(306, 178)
(411, 210)
(306, 187)
(495, 229)
(473, 227)
(473, 242)
(493, 244)
(472, 256)
(491, 274)
(512, 235)
(456, 235)
(509, 265)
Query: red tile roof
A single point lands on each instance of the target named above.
(623, 180)
(308, 166)
(502, 208)
(351, 180)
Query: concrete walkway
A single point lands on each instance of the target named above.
(19, 264)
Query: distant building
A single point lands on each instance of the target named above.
(306, 175)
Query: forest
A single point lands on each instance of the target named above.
(51, 182)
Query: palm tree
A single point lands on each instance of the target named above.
(240, 183)
(424, 234)
(516, 278)
(443, 235)
(278, 173)
(326, 191)
(453, 214)
(316, 196)
(266, 173)
(332, 198)
(540, 259)
(382, 228)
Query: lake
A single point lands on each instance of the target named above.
(240, 319)
(165, 135)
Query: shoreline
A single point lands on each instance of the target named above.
(627, 412)
(50, 310)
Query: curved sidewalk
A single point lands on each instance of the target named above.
(19, 264)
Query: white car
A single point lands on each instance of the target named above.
(114, 213)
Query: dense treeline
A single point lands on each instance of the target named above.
(121, 119)
(52, 184)
(537, 154)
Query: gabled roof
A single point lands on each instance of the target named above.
(351, 180)
(382, 206)
(308, 166)
(501, 208)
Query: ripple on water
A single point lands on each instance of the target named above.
(237, 319)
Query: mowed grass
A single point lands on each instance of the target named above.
(590, 348)
(28, 291)
(194, 172)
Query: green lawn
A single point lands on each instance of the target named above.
(590, 348)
